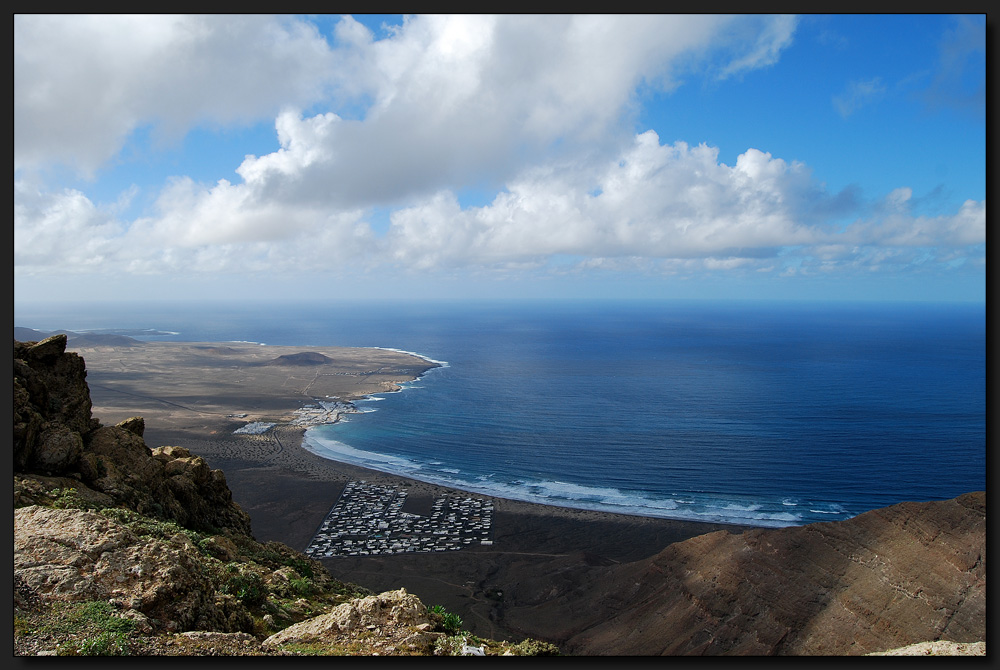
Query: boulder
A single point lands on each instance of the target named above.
(390, 610)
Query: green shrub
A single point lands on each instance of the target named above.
(69, 498)
(302, 587)
(148, 526)
(535, 648)
(105, 644)
(246, 585)
(450, 622)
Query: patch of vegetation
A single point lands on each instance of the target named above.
(534, 648)
(245, 584)
(300, 566)
(69, 498)
(104, 644)
(456, 645)
(86, 629)
(302, 587)
(150, 527)
(303, 649)
(449, 646)
(94, 616)
(451, 623)
(276, 555)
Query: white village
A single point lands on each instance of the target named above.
(368, 520)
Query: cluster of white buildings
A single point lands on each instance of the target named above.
(322, 413)
(254, 428)
(368, 519)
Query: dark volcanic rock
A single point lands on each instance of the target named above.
(51, 399)
(55, 435)
(303, 358)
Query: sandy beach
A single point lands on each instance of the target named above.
(197, 395)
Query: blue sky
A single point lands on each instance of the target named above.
(267, 157)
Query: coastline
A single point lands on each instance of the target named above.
(206, 391)
(202, 399)
(288, 491)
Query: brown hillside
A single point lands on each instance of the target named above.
(892, 577)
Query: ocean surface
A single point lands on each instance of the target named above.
(771, 414)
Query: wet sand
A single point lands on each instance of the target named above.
(188, 395)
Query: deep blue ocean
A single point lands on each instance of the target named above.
(771, 414)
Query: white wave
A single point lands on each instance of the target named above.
(700, 507)
(443, 364)
(736, 507)
(338, 451)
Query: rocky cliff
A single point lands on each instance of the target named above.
(120, 549)
(55, 436)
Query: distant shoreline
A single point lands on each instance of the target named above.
(198, 394)
(195, 395)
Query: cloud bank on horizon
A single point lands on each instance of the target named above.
(274, 148)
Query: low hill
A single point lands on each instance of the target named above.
(101, 340)
(305, 358)
(22, 334)
(76, 340)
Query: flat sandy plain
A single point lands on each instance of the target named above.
(195, 395)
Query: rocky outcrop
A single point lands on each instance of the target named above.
(396, 618)
(51, 406)
(73, 555)
(940, 648)
(56, 436)
(909, 573)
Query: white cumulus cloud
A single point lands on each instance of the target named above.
(539, 109)
(84, 83)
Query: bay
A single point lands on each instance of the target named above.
(766, 413)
